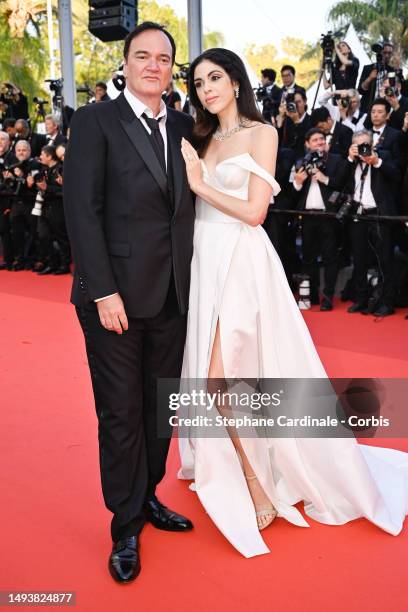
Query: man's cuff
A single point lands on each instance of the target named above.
(378, 164)
(106, 297)
(296, 186)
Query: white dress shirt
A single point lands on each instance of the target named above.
(139, 107)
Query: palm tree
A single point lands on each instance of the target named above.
(375, 20)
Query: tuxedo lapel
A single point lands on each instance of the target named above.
(174, 149)
(140, 140)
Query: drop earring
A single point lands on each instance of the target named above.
(237, 92)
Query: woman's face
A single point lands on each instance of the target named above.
(214, 87)
(344, 48)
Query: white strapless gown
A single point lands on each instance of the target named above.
(237, 277)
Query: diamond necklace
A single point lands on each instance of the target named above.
(218, 135)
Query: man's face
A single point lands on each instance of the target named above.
(50, 126)
(4, 143)
(325, 126)
(45, 159)
(149, 64)
(21, 128)
(354, 103)
(387, 53)
(23, 151)
(11, 131)
(317, 142)
(300, 104)
(379, 115)
(99, 92)
(287, 78)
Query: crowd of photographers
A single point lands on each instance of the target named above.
(343, 168)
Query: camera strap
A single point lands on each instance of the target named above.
(362, 181)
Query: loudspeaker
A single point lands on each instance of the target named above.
(111, 19)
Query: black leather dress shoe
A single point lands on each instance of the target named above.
(326, 305)
(164, 518)
(357, 307)
(383, 311)
(124, 561)
(62, 270)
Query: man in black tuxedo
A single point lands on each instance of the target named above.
(23, 132)
(338, 136)
(130, 217)
(312, 188)
(374, 182)
(373, 76)
(288, 75)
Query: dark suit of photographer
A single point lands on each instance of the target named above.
(338, 136)
(51, 224)
(373, 75)
(373, 177)
(312, 190)
(292, 122)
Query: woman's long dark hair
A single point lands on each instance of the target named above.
(350, 55)
(207, 123)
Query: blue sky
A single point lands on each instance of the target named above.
(261, 21)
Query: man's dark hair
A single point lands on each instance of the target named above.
(51, 151)
(312, 132)
(102, 85)
(269, 73)
(381, 102)
(10, 122)
(288, 67)
(387, 43)
(318, 115)
(143, 27)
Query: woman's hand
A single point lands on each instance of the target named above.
(193, 165)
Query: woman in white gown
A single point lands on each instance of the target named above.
(244, 323)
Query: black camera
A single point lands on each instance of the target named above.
(391, 89)
(312, 161)
(344, 102)
(55, 84)
(365, 149)
(7, 92)
(327, 44)
(378, 49)
(345, 203)
(182, 73)
(290, 101)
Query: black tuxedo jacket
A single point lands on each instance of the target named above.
(127, 233)
(396, 119)
(292, 135)
(337, 171)
(341, 140)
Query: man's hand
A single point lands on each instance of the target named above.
(300, 176)
(319, 176)
(353, 152)
(112, 314)
(405, 126)
(294, 116)
(371, 159)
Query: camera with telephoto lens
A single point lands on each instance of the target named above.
(312, 161)
(364, 149)
(327, 44)
(14, 183)
(345, 204)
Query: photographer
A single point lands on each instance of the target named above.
(101, 92)
(338, 136)
(373, 75)
(269, 94)
(345, 68)
(6, 159)
(391, 91)
(171, 97)
(372, 175)
(51, 223)
(292, 122)
(317, 175)
(288, 74)
(347, 111)
(23, 132)
(53, 134)
(21, 220)
(15, 103)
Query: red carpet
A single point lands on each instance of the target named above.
(55, 528)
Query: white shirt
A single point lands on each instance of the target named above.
(367, 198)
(314, 200)
(376, 137)
(139, 107)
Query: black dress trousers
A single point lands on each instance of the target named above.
(124, 371)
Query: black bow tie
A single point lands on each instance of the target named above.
(376, 132)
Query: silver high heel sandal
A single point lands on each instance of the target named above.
(270, 512)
